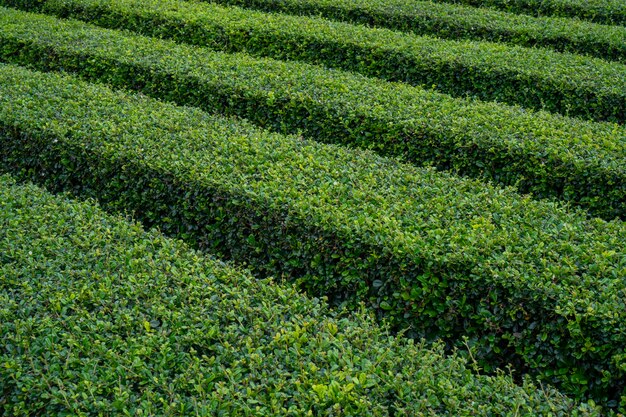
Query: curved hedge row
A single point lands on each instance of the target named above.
(528, 282)
(534, 78)
(451, 21)
(547, 155)
(611, 12)
(98, 317)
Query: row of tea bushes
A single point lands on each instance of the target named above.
(98, 317)
(528, 282)
(390, 13)
(451, 21)
(611, 12)
(535, 78)
(550, 156)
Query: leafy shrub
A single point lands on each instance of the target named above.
(547, 155)
(451, 21)
(539, 79)
(100, 317)
(528, 282)
(612, 12)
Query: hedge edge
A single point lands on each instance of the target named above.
(610, 12)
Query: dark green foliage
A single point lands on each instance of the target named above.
(611, 12)
(529, 282)
(98, 317)
(550, 156)
(450, 21)
(534, 78)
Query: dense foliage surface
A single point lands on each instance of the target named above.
(536, 78)
(550, 156)
(605, 11)
(399, 140)
(452, 21)
(99, 317)
(441, 256)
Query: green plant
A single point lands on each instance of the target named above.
(612, 12)
(528, 282)
(546, 155)
(535, 78)
(98, 317)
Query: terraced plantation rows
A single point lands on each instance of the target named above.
(548, 155)
(142, 323)
(418, 17)
(535, 78)
(455, 21)
(352, 178)
(610, 12)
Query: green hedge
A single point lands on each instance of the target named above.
(547, 155)
(540, 79)
(529, 282)
(611, 12)
(98, 317)
(450, 21)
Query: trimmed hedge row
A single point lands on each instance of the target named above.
(452, 21)
(534, 78)
(98, 317)
(528, 282)
(611, 12)
(548, 155)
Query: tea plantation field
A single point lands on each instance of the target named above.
(312, 207)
